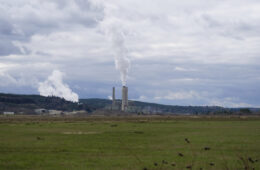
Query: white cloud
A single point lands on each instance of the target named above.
(229, 102)
(178, 68)
(109, 97)
(6, 79)
(179, 95)
(142, 98)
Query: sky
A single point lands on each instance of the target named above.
(189, 52)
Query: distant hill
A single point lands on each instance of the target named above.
(28, 103)
(144, 107)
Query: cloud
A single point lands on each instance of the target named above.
(178, 68)
(6, 79)
(229, 102)
(109, 97)
(179, 95)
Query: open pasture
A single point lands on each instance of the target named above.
(157, 142)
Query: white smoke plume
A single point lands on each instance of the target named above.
(54, 86)
(115, 33)
(122, 61)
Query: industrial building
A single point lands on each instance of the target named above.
(8, 113)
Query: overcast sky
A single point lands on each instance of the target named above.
(189, 52)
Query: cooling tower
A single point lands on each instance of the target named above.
(124, 98)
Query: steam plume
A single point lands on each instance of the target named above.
(122, 61)
(54, 86)
(114, 31)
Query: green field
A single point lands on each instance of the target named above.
(129, 143)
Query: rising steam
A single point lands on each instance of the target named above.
(122, 61)
(112, 27)
(54, 86)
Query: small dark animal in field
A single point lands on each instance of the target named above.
(256, 160)
(145, 168)
(155, 164)
(173, 164)
(114, 125)
(189, 167)
(164, 162)
(187, 140)
(201, 168)
(206, 148)
(211, 164)
(39, 138)
(180, 154)
(251, 160)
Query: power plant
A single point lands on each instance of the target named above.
(124, 104)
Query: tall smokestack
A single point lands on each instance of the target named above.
(124, 98)
(114, 97)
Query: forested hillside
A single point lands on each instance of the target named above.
(26, 104)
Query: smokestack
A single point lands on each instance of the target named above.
(124, 98)
(114, 97)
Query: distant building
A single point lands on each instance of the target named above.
(55, 112)
(69, 113)
(41, 111)
(8, 113)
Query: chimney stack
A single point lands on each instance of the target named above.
(114, 97)
(124, 98)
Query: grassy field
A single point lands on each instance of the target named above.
(129, 143)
